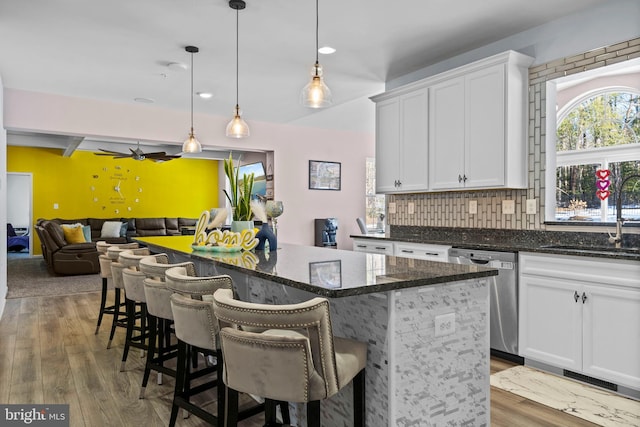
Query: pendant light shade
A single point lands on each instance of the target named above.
(237, 127)
(316, 94)
(191, 144)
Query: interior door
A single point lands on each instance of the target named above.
(19, 203)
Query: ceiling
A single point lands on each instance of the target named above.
(119, 50)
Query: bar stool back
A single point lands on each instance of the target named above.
(287, 353)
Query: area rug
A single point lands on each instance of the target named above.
(29, 277)
(590, 403)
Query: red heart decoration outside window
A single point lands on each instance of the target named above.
(603, 173)
(603, 194)
(603, 184)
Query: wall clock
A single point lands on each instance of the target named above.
(117, 189)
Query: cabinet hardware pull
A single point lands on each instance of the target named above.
(584, 297)
(381, 248)
(361, 246)
(431, 253)
(407, 251)
(399, 183)
(576, 296)
(459, 178)
(464, 177)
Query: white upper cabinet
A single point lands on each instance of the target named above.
(476, 129)
(401, 143)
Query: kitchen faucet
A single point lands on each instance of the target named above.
(617, 239)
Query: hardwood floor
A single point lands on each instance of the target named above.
(49, 354)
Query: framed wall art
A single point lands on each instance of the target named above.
(324, 175)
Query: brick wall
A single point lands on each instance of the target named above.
(451, 209)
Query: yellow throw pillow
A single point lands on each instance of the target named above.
(73, 234)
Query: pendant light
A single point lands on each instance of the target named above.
(316, 94)
(191, 144)
(237, 128)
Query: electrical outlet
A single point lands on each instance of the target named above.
(412, 208)
(445, 324)
(532, 207)
(473, 207)
(392, 207)
(55, 206)
(508, 207)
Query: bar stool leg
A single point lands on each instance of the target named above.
(131, 319)
(116, 315)
(151, 350)
(103, 303)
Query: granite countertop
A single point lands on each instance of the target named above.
(327, 272)
(560, 246)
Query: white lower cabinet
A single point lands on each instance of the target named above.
(422, 251)
(373, 246)
(581, 314)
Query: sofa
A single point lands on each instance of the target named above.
(66, 258)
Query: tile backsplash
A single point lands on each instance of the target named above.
(452, 209)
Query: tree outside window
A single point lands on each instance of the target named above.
(599, 132)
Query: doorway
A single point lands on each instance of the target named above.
(20, 209)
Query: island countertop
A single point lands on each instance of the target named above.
(327, 272)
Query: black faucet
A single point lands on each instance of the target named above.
(617, 239)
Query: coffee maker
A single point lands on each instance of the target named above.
(325, 232)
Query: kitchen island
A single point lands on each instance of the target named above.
(426, 324)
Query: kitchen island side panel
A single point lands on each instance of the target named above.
(441, 380)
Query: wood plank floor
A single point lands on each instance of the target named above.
(49, 354)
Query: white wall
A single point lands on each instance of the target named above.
(612, 22)
(3, 205)
(293, 147)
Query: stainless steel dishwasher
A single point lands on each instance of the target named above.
(503, 296)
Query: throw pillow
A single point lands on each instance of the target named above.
(73, 234)
(110, 229)
(86, 229)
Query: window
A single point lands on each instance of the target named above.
(599, 130)
(374, 202)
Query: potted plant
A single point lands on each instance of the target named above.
(240, 197)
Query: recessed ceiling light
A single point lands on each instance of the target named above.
(144, 100)
(326, 50)
(177, 66)
(204, 95)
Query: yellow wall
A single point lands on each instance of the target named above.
(83, 185)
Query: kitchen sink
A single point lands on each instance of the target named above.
(595, 249)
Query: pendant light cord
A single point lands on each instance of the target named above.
(317, 25)
(191, 92)
(237, 54)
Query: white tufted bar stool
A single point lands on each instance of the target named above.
(106, 276)
(287, 353)
(135, 301)
(159, 315)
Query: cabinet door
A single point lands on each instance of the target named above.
(373, 246)
(414, 141)
(484, 106)
(611, 343)
(446, 134)
(387, 145)
(550, 327)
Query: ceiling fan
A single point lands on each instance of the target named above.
(138, 154)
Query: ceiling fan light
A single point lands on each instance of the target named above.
(191, 144)
(237, 127)
(316, 94)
